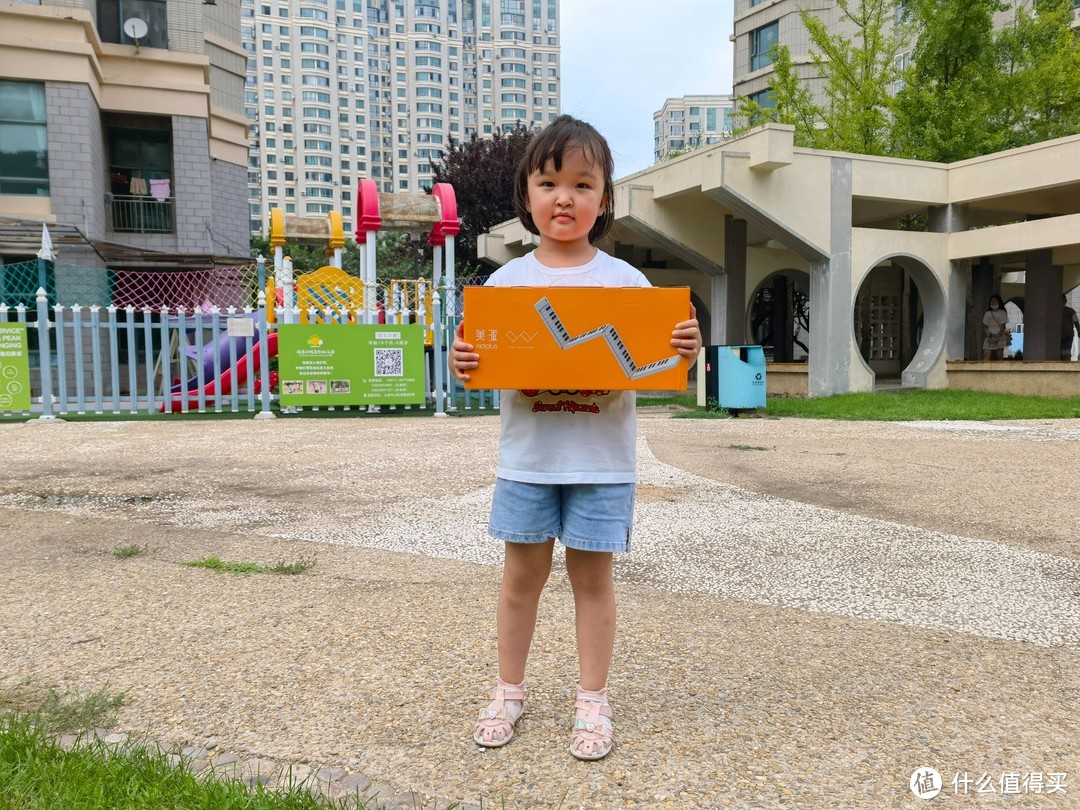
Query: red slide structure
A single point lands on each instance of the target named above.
(223, 385)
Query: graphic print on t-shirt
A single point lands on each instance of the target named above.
(565, 405)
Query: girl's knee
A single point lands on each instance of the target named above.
(526, 581)
(590, 573)
(526, 570)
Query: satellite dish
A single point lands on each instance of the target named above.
(135, 28)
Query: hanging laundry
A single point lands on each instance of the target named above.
(159, 189)
(119, 178)
(138, 187)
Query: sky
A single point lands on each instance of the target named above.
(621, 59)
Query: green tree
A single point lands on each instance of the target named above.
(396, 256)
(400, 255)
(1040, 57)
(305, 258)
(950, 106)
(858, 75)
(482, 174)
(969, 90)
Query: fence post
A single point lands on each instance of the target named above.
(264, 359)
(45, 355)
(437, 353)
(261, 263)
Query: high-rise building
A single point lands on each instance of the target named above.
(689, 122)
(343, 90)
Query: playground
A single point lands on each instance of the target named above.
(806, 618)
(130, 341)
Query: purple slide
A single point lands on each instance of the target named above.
(219, 348)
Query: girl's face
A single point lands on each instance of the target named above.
(565, 204)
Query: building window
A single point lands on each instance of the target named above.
(112, 14)
(24, 147)
(140, 178)
(761, 42)
(763, 98)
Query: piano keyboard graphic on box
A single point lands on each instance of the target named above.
(632, 370)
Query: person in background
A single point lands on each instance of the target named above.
(1069, 320)
(995, 329)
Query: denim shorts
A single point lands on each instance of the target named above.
(587, 517)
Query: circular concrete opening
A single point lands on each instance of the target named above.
(899, 320)
(781, 300)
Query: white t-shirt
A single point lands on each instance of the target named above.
(568, 437)
(994, 320)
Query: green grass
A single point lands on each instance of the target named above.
(129, 551)
(293, 568)
(900, 406)
(927, 405)
(57, 711)
(746, 447)
(244, 568)
(223, 567)
(36, 773)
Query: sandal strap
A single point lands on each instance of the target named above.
(509, 691)
(495, 711)
(591, 722)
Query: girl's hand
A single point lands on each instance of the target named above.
(462, 358)
(686, 337)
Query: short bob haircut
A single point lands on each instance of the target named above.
(564, 134)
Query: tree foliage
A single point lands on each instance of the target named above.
(396, 256)
(1040, 56)
(858, 75)
(482, 174)
(969, 90)
(951, 92)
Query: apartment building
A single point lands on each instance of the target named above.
(691, 121)
(760, 24)
(340, 90)
(122, 128)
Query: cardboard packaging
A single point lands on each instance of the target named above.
(575, 338)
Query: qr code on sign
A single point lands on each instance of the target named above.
(388, 363)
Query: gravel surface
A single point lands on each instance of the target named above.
(812, 610)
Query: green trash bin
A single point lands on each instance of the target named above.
(735, 376)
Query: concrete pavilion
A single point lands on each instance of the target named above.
(807, 253)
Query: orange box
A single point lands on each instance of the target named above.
(573, 338)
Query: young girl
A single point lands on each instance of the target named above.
(563, 473)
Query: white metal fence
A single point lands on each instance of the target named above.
(109, 360)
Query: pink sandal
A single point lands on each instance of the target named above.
(591, 738)
(495, 728)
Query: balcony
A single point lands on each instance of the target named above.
(135, 214)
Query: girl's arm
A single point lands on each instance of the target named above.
(462, 359)
(686, 338)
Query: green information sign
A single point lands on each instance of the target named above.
(14, 369)
(351, 364)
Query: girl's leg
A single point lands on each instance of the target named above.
(592, 580)
(526, 567)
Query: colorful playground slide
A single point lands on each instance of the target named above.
(223, 385)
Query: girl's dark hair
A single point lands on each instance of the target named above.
(998, 297)
(564, 134)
